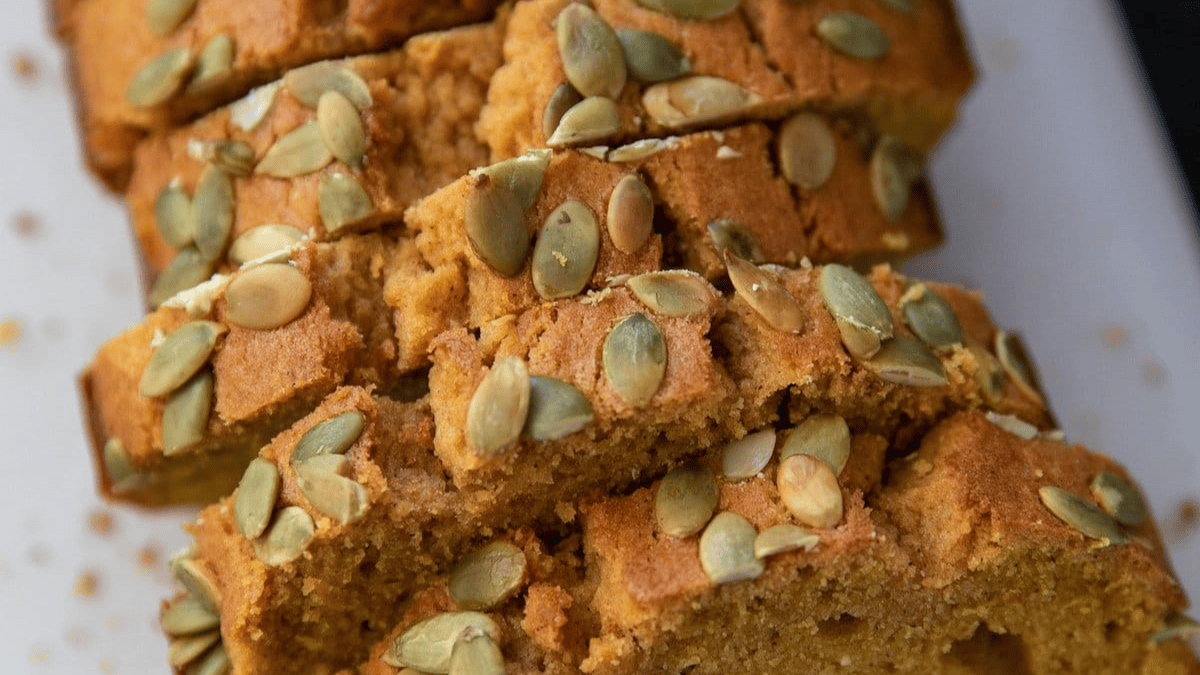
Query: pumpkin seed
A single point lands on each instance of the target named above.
(556, 409)
(185, 416)
(784, 537)
(854, 35)
(692, 9)
(488, 576)
(728, 235)
(905, 6)
(931, 318)
(179, 356)
(173, 215)
(562, 99)
(652, 57)
(523, 175)
(119, 467)
(498, 409)
(212, 212)
(185, 270)
(1015, 361)
(727, 549)
(685, 500)
(807, 151)
(749, 455)
(591, 55)
(267, 296)
(188, 573)
(862, 317)
(297, 153)
(638, 150)
(474, 653)
(1013, 425)
(630, 214)
(215, 63)
(427, 645)
(286, 537)
(824, 436)
(160, 79)
(698, 99)
(680, 293)
(495, 224)
(249, 111)
(334, 436)
(342, 128)
(809, 490)
(593, 119)
(566, 251)
(342, 201)
(1120, 499)
(330, 490)
(1082, 515)
(1176, 625)
(255, 499)
(904, 360)
(183, 651)
(765, 294)
(635, 359)
(893, 171)
(215, 662)
(264, 240)
(307, 83)
(164, 16)
(233, 157)
(187, 616)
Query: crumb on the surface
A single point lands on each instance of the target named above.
(1116, 336)
(114, 622)
(1153, 373)
(77, 636)
(1185, 519)
(10, 332)
(101, 522)
(39, 554)
(27, 225)
(25, 67)
(565, 512)
(147, 558)
(108, 666)
(86, 585)
(39, 654)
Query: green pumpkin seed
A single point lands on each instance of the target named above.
(652, 57)
(179, 357)
(185, 416)
(727, 549)
(325, 482)
(286, 537)
(499, 407)
(342, 201)
(698, 99)
(233, 157)
(893, 171)
(905, 6)
(183, 651)
(1082, 515)
(185, 270)
(1013, 425)
(1015, 361)
(807, 151)
(638, 150)
(593, 119)
(749, 455)
(854, 35)
(298, 153)
(566, 251)
(188, 573)
(267, 296)
(212, 212)
(862, 317)
(187, 616)
(160, 79)
(215, 662)
(562, 99)
(334, 436)
(249, 111)
(124, 477)
(215, 63)
(495, 224)
(692, 9)
(488, 576)
(685, 500)
(427, 645)
(173, 215)
(523, 175)
(809, 490)
(1120, 499)
(905, 360)
(255, 499)
(635, 359)
(680, 293)
(556, 409)
(630, 214)
(1176, 625)
(824, 436)
(591, 55)
(765, 294)
(784, 537)
(264, 240)
(342, 128)
(307, 83)
(728, 235)
(164, 16)
(931, 318)
(474, 653)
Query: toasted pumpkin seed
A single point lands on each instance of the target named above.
(249, 111)
(187, 616)
(184, 650)
(698, 99)
(591, 55)
(630, 214)
(342, 201)
(1015, 361)
(1082, 515)
(1120, 499)
(809, 490)
(286, 538)
(179, 356)
(185, 270)
(824, 436)
(233, 157)
(324, 480)
(499, 406)
(486, 577)
(198, 583)
(562, 99)
(495, 224)
(267, 296)
(119, 467)
(160, 79)
(807, 151)
(727, 549)
(685, 500)
(679, 293)
(556, 409)
(593, 119)
(297, 153)
(862, 317)
(1013, 425)
(474, 653)
(652, 57)
(905, 360)
(428, 644)
(215, 63)
(215, 662)
(342, 128)
(185, 416)
(748, 456)
(164, 16)
(523, 175)
(854, 35)
(334, 436)
(307, 83)
(212, 212)
(893, 171)
(566, 251)
(255, 499)
(264, 240)
(784, 537)
(635, 359)
(765, 294)
(173, 215)
(728, 235)
(931, 318)
(638, 150)
(692, 9)
(1176, 625)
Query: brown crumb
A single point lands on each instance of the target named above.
(101, 522)
(77, 636)
(39, 654)
(108, 666)
(86, 585)
(1153, 373)
(114, 622)
(10, 332)
(39, 555)
(147, 558)
(1116, 336)
(27, 225)
(25, 67)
